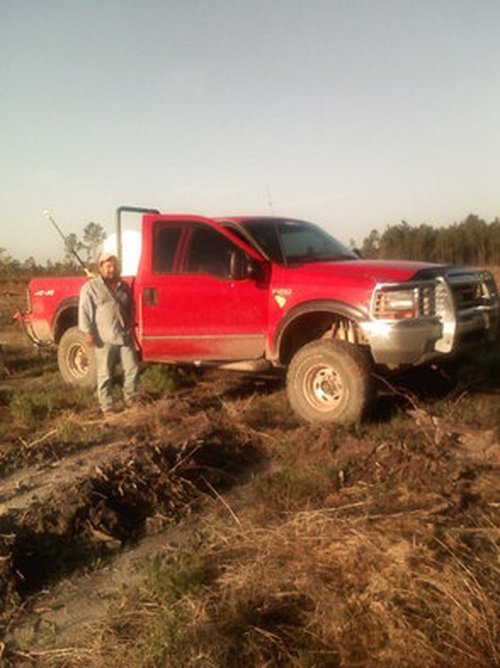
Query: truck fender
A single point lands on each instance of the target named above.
(335, 307)
(65, 316)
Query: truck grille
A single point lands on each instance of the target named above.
(472, 289)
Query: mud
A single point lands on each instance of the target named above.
(58, 519)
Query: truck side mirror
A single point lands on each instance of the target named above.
(242, 266)
(236, 265)
(252, 268)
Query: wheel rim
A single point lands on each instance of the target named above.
(323, 387)
(78, 360)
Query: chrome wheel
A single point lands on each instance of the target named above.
(78, 361)
(323, 387)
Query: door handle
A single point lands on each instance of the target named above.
(150, 296)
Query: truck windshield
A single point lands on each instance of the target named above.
(292, 242)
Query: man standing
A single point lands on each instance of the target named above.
(106, 316)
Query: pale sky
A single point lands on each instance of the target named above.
(353, 114)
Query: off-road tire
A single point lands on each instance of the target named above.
(331, 381)
(76, 359)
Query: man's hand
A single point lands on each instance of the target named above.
(89, 339)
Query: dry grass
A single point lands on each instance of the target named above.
(313, 591)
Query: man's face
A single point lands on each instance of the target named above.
(109, 269)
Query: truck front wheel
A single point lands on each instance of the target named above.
(330, 381)
(76, 359)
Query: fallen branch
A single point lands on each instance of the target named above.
(223, 501)
(37, 441)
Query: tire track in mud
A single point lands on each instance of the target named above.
(93, 504)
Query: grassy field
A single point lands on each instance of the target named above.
(207, 527)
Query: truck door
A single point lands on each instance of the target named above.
(192, 308)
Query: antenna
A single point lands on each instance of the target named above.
(48, 214)
(269, 200)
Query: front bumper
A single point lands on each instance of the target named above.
(415, 342)
(452, 329)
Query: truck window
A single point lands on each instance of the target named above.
(294, 241)
(166, 239)
(302, 241)
(266, 236)
(209, 252)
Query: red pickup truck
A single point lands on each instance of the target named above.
(253, 293)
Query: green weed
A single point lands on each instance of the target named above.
(72, 430)
(181, 574)
(36, 404)
(291, 488)
(159, 379)
(171, 584)
(27, 408)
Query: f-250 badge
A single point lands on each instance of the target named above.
(44, 293)
(280, 295)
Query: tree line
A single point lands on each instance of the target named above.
(472, 241)
(87, 248)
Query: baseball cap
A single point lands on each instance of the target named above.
(104, 256)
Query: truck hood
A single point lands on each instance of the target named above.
(371, 271)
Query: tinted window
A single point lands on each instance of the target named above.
(209, 252)
(302, 241)
(296, 240)
(266, 235)
(166, 240)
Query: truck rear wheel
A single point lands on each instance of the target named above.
(330, 381)
(76, 359)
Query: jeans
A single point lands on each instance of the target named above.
(107, 356)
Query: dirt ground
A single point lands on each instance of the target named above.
(85, 502)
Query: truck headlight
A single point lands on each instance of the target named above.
(395, 304)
